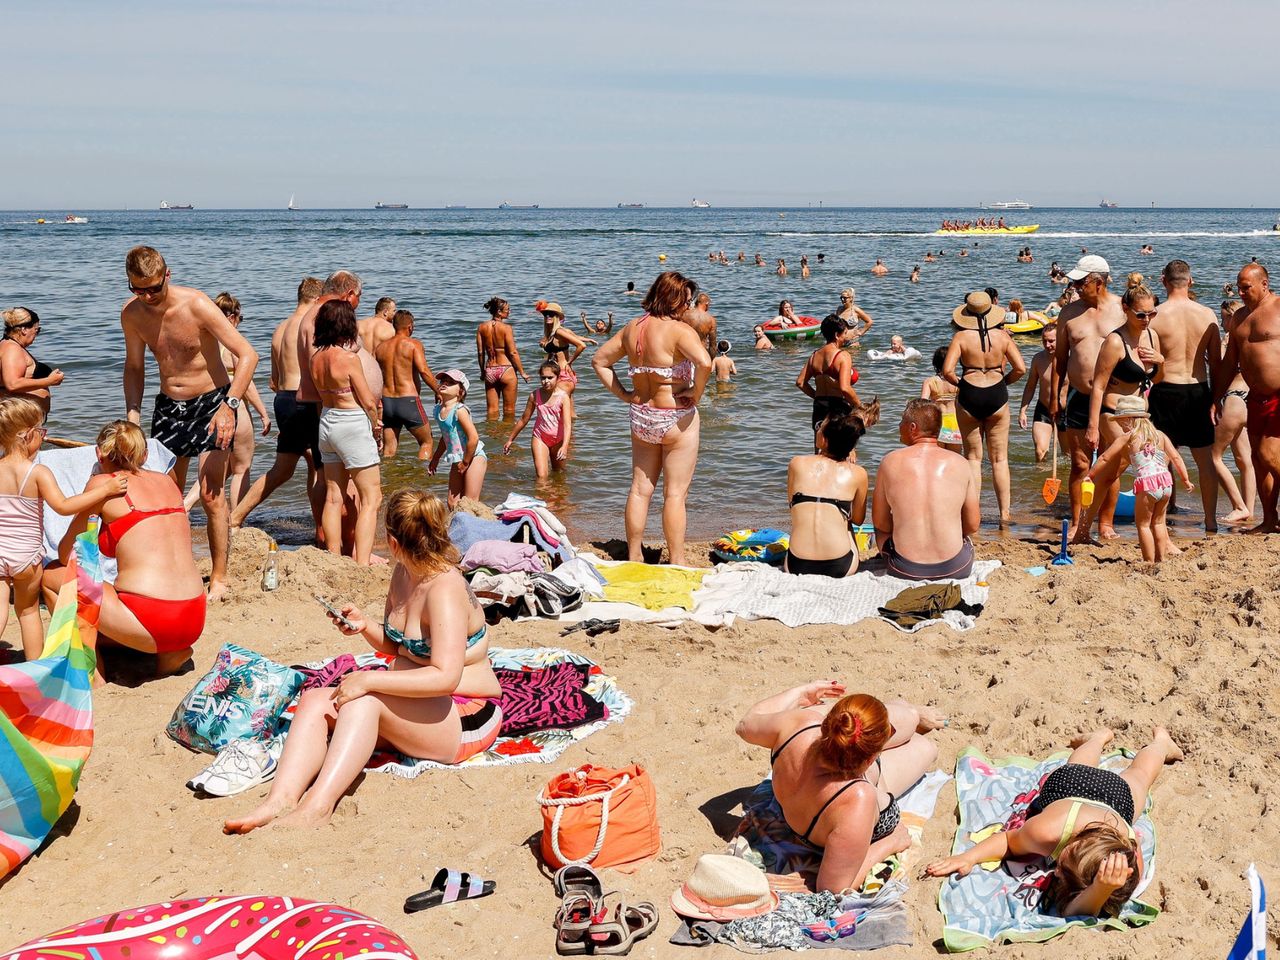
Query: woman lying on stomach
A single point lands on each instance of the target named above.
(439, 700)
(838, 769)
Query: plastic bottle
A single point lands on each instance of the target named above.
(1086, 492)
(271, 569)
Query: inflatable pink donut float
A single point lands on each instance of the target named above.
(223, 928)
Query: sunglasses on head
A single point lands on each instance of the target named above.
(25, 326)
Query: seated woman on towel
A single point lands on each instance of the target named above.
(837, 769)
(828, 496)
(1082, 820)
(157, 603)
(439, 700)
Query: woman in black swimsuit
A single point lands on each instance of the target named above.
(1129, 362)
(828, 496)
(982, 348)
(838, 770)
(21, 374)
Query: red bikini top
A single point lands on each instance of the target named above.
(110, 533)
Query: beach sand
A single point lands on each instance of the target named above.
(1108, 641)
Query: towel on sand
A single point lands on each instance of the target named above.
(652, 586)
(999, 903)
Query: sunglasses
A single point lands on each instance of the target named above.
(1144, 314)
(149, 291)
(39, 430)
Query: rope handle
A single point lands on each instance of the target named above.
(561, 802)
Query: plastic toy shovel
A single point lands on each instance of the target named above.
(1052, 485)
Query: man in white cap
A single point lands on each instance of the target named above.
(1082, 326)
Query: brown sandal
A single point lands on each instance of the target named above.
(630, 923)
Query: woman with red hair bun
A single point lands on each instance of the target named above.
(838, 769)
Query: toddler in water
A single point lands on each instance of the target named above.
(1150, 452)
(459, 447)
(551, 409)
(723, 367)
(24, 484)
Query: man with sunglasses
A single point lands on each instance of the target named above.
(195, 410)
(1181, 403)
(1082, 326)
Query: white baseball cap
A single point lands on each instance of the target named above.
(1087, 265)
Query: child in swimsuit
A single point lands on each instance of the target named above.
(1150, 452)
(1081, 820)
(551, 409)
(25, 487)
(944, 395)
(460, 447)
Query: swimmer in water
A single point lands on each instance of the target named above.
(762, 342)
(760, 260)
(915, 273)
(804, 268)
(722, 367)
(599, 327)
(879, 270)
(782, 267)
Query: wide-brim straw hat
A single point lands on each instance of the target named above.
(543, 306)
(1135, 408)
(977, 307)
(724, 888)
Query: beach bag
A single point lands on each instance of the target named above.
(601, 817)
(241, 697)
(552, 596)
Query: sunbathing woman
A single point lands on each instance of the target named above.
(828, 496)
(838, 769)
(498, 359)
(439, 701)
(1082, 820)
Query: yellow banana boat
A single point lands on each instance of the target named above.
(988, 231)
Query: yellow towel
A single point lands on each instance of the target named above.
(652, 587)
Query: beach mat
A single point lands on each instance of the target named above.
(1000, 903)
(46, 714)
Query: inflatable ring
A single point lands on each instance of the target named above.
(270, 928)
(754, 546)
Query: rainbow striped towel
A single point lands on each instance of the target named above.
(46, 714)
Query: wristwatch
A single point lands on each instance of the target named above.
(233, 403)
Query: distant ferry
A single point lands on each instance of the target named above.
(631, 206)
(517, 206)
(1107, 205)
(1007, 205)
(166, 205)
(455, 206)
(700, 204)
(390, 206)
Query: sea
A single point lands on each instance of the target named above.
(443, 264)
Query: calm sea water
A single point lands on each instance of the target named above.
(443, 264)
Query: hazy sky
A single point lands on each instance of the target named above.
(240, 104)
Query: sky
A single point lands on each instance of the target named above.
(233, 103)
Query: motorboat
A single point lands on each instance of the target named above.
(72, 218)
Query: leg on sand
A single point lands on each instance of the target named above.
(1081, 460)
(1087, 748)
(1207, 478)
(213, 496)
(646, 467)
(996, 428)
(1230, 433)
(1266, 467)
(1145, 767)
(1143, 508)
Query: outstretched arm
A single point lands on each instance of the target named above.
(759, 724)
(520, 424)
(100, 488)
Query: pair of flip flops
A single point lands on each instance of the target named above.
(587, 925)
(593, 627)
(449, 886)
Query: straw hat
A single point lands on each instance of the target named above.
(1135, 408)
(977, 306)
(542, 306)
(724, 888)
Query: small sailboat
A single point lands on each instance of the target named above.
(292, 205)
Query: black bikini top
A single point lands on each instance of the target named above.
(41, 370)
(1128, 370)
(844, 506)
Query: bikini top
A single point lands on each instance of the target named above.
(1128, 370)
(338, 391)
(681, 370)
(110, 534)
(844, 506)
(420, 647)
(1069, 826)
(39, 370)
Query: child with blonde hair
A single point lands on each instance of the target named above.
(25, 486)
(551, 409)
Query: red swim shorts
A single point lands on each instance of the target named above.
(1264, 414)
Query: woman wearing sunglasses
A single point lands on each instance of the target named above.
(21, 374)
(1129, 363)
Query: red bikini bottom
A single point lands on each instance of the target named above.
(173, 624)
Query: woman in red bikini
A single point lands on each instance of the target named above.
(157, 603)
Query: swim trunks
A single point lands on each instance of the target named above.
(298, 425)
(957, 568)
(183, 425)
(1077, 414)
(1264, 415)
(1042, 415)
(403, 412)
(1181, 412)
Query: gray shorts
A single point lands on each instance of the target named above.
(345, 434)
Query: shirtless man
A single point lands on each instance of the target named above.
(377, 330)
(298, 423)
(1254, 350)
(925, 504)
(879, 270)
(1040, 378)
(404, 370)
(701, 320)
(195, 410)
(831, 370)
(1082, 326)
(1181, 403)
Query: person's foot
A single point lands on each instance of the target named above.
(1104, 735)
(377, 561)
(303, 817)
(1107, 533)
(1170, 550)
(931, 718)
(1160, 738)
(1266, 526)
(262, 815)
(1236, 517)
(218, 591)
(1082, 536)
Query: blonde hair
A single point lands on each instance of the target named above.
(16, 415)
(122, 445)
(1137, 291)
(16, 318)
(1145, 431)
(1080, 860)
(1135, 280)
(144, 263)
(419, 523)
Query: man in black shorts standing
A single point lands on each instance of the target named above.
(404, 370)
(1181, 403)
(195, 410)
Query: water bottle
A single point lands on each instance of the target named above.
(271, 569)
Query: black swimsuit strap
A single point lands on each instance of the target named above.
(823, 809)
(844, 506)
(786, 743)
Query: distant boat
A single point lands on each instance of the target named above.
(505, 205)
(455, 206)
(166, 205)
(1108, 205)
(1007, 205)
(72, 218)
(390, 206)
(292, 205)
(700, 204)
(631, 206)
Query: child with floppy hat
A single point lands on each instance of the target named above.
(460, 447)
(1150, 453)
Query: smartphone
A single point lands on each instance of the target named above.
(334, 612)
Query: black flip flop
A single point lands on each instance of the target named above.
(449, 886)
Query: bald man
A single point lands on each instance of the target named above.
(1254, 350)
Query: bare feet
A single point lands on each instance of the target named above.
(218, 591)
(1104, 735)
(1172, 752)
(1237, 517)
(931, 718)
(269, 810)
(1267, 526)
(1082, 536)
(305, 818)
(1107, 533)
(377, 561)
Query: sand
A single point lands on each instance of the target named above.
(1109, 641)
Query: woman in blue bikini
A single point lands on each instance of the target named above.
(439, 700)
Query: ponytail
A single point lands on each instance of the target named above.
(419, 523)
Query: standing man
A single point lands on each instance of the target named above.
(1181, 403)
(701, 320)
(298, 423)
(376, 330)
(195, 410)
(1082, 326)
(404, 369)
(1254, 350)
